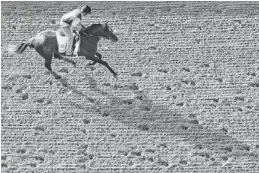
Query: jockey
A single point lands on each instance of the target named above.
(72, 21)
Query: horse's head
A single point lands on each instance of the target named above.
(108, 33)
(101, 30)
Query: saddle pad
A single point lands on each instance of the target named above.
(62, 42)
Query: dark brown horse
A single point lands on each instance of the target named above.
(45, 43)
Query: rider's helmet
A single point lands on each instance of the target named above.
(86, 10)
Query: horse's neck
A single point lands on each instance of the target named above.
(90, 37)
(87, 31)
(93, 32)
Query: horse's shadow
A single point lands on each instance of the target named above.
(159, 119)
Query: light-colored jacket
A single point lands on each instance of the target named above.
(72, 19)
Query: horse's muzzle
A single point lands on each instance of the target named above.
(114, 38)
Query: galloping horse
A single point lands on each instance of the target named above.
(45, 43)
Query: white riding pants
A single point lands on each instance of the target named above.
(69, 35)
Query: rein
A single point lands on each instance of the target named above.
(88, 34)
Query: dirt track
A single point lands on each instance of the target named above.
(187, 97)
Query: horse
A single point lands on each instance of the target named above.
(45, 43)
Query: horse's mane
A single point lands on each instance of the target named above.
(89, 29)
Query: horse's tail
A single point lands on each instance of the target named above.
(19, 48)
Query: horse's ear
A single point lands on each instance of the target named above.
(106, 24)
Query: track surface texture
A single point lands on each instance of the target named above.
(186, 98)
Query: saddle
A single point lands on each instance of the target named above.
(62, 41)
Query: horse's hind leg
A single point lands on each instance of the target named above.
(48, 58)
(98, 55)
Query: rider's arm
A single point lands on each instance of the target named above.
(69, 17)
(76, 24)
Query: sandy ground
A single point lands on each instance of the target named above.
(187, 97)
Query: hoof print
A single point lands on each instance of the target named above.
(145, 107)
(136, 153)
(64, 70)
(106, 84)
(219, 79)
(128, 102)
(198, 146)
(105, 114)
(6, 87)
(21, 151)
(228, 149)
(113, 135)
(240, 98)
(3, 165)
(254, 84)
(184, 127)
(163, 163)
(143, 127)
(245, 148)
(27, 76)
(194, 122)
(180, 104)
(151, 159)
(39, 158)
(39, 129)
(192, 116)
(224, 130)
(91, 100)
(168, 88)
(133, 87)
(25, 96)
(86, 121)
(183, 162)
(138, 74)
(186, 69)
(150, 151)
(39, 100)
(225, 158)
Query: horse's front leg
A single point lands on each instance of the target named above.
(98, 55)
(98, 60)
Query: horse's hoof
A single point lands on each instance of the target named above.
(57, 77)
(115, 76)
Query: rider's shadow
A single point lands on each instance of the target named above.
(159, 119)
